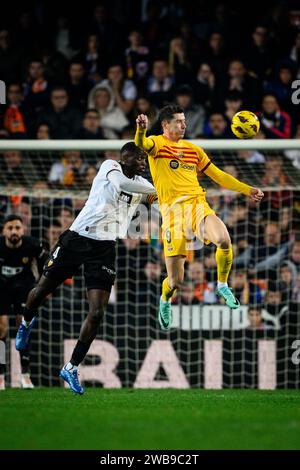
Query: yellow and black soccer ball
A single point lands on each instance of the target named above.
(245, 125)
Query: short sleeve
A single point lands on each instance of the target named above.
(108, 166)
(204, 160)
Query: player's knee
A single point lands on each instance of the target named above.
(223, 241)
(96, 314)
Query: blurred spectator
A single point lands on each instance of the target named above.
(16, 120)
(240, 81)
(16, 169)
(204, 86)
(112, 118)
(216, 127)
(251, 156)
(36, 87)
(105, 28)
(295, 53)
(217, 54)
(260, 53)
(43, 131)
(65, 217)
(179, 65)
(63, 37)
(203, 291)
(288, 280)
(91, 128)
(160, 84)
(281, 87)
(274, 174)
(52, 234)
(233, 104)
(255, 319)
(194, 113)
(295, 255)
(144, 106)
(275, 124)
(89, 176)
(123, 90)
(137, 58)
(274, 299)
(63, 120)
(78, 86)
(10, 57)
(93, 58)
(69, 171)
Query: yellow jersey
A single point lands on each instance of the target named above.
(174, 167)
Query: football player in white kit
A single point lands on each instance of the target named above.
(116, 190)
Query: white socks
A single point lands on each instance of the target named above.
(222, 284)
(70, 366)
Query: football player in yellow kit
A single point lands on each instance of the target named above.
(174, 164)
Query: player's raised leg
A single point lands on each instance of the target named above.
(98, 300)
(175, 271)
(35, 298)
(3, 333)
(216, 231)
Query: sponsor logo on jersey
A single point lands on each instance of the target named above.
(174, 164)
(25, 260)
(184, 166)
(125, 197)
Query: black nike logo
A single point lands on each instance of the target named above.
(165, 325)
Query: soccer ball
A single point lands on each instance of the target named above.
(245, 125)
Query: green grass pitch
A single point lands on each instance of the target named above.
(104, 419)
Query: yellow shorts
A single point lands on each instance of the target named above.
(182, 223)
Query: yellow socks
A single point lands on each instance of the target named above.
(224, 263)
(167, 292)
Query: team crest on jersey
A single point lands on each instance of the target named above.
(174, 164)
(50, 263)
(25, 260)
(180, 155)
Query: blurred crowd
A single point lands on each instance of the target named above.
(86, 75)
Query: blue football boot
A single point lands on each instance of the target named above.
(22, 338)
(71, 377)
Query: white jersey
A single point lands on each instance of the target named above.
(107, 212)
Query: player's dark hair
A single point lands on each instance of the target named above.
(167, 113)
(11, 217)
(130, 147)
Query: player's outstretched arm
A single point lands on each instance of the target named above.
(122, 183)
(140, 138)
(229, 182)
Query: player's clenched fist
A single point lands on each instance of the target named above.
(256, 195)
(142, 121)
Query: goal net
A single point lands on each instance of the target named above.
(257, 345)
